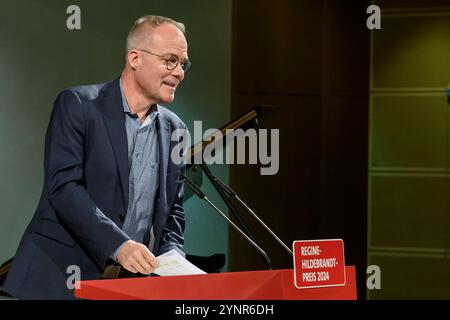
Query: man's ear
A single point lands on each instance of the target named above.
(133, 59)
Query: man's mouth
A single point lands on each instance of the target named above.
(170, 84)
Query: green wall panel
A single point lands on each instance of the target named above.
(412, 277)
(409, 180)
(409, 131)
(412, 51)
(410, 211)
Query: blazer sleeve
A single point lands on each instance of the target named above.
(64, 170)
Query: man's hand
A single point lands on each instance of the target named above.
(136, 257)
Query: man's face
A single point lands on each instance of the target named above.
(154, 80)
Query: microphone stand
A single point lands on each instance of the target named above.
(234, 195)
(202, 196)
(231, 207)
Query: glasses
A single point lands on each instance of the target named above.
(172, 61)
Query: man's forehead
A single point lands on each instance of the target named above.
(175, 45)
(168, 34)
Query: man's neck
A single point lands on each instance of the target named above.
(137, 102)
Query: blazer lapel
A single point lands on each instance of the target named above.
(164, 145)
(112, 111)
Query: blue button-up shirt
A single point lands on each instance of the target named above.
(143, 156)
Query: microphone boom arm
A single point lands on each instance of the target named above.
(233, 194)
(202, 196)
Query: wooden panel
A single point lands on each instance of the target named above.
(311, 59)
(346, 58)
(409, 131)
(343, 185)
(278, 46)
(409, 277)
(412, 51)
(287, 201)
(410, 211)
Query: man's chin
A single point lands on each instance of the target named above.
(167, 100)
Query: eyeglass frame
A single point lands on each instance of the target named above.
(185, 65)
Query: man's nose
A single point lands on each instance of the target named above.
(178, 72)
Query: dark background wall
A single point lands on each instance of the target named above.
(363, 121)
(364, 135)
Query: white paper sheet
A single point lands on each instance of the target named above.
(172, 263)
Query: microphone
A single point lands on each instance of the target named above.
(234, 195)
(202, 196)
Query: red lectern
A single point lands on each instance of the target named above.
(252, 285)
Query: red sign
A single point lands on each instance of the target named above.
(319, 263)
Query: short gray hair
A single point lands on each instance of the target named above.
(151, 21)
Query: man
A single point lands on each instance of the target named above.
(111, 191)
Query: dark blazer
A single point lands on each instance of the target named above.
(86, 167)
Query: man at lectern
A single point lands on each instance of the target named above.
(111, 191)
